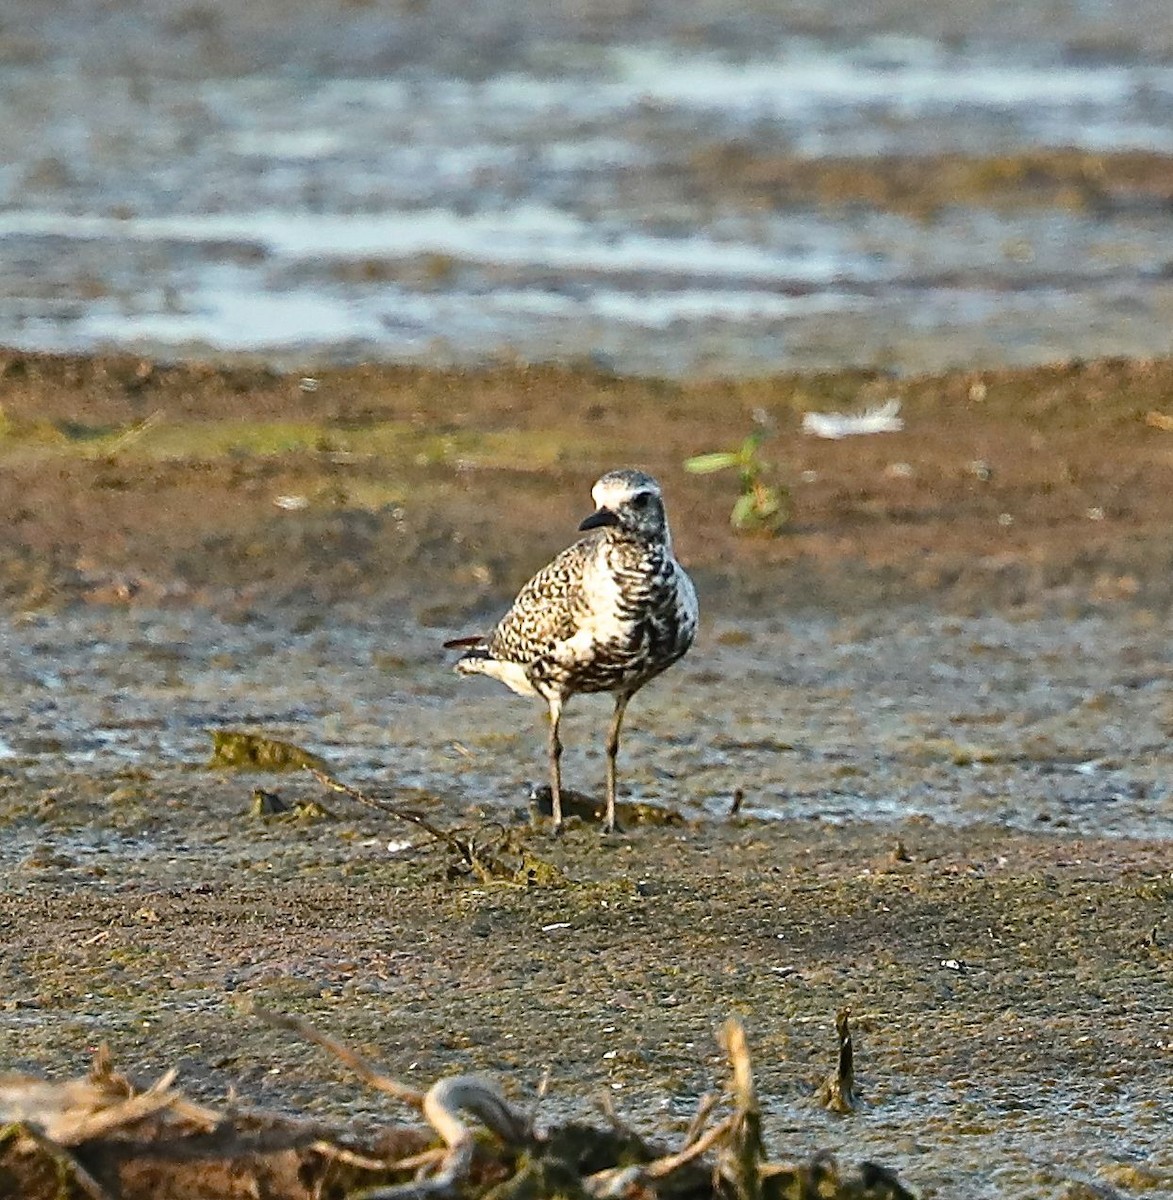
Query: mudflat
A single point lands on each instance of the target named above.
(942, 694)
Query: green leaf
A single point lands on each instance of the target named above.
(749, 447)
(705, 464)
(744, 511)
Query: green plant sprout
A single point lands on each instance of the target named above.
(762, 506)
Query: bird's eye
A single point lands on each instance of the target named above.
(642, 500)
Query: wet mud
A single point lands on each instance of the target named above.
(948, 733)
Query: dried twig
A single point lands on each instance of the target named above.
(350, 1158)
(606, 1105)
(543, 1092)
(740, 1161)
(483, 864)
(704, 1107)
(396, 810)
(82, 1110)
(369, 1074)
(425, 1158)
(613, 1182)
(662, 1167)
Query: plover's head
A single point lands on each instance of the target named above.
(630, 500)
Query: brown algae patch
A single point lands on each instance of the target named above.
(1070, 179)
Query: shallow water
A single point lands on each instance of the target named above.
(1047, 724)
(532, 201)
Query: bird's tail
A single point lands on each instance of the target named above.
(477, 659)
(475, 656)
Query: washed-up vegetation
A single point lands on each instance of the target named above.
(101, 1136)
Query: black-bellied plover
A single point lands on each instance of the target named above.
(606, 615)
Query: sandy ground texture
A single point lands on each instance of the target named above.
(943, 694)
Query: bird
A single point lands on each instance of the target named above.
(607, 614)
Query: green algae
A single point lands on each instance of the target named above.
(233, 749)
(389, 442)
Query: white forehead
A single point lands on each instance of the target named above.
(620, 486)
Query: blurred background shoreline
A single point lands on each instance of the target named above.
(634, 188)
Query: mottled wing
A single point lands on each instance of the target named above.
(687, 608)
(661, 602)
(546, 610)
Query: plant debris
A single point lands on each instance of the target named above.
(500, 858)
(102, 1137)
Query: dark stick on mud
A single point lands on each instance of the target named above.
(482, 864)
(403, 814)
(837, 1091)
(489, 867)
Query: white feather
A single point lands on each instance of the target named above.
(880, 418)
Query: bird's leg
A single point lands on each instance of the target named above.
(555, 704)
(612, 750)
